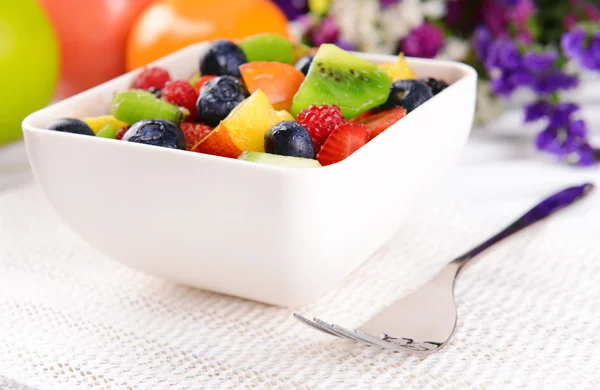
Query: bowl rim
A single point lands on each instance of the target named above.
(466, 72)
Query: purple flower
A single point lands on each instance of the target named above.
(503, 54)
(561, 114)
(510, 70)
(520, 11)
(326, 32)
(563, 135)
(587, 155)
(546, 140)
(482, 39)
(504, 85)
(538, 110)
(494, 17)
(424, 41)
(572, 42)
(539, 62)
(590, 58)
(292, 8)
(578, 129)
(523, 78)
(583, 47)
(548, 83)
(509, 3)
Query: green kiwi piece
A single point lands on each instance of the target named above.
(108, 131)
(135, 105)
(339, 78)
(268, 47)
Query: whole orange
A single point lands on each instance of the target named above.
(169, 25)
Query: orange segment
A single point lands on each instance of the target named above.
(218, 142)
(278, 81)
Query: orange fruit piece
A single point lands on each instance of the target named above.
(278, 81)
(169, 25)
(243, 129)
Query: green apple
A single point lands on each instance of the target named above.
(28, 64)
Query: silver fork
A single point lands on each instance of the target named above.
(423, 322)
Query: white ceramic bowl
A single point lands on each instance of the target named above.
(280, 236)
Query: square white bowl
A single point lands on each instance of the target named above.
(276, 235)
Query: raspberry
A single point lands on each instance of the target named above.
(194, 133)
(320, 122)
(182, 94)
(121, 132)
(151, 77)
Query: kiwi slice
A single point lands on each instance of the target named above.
(268, 47)
(108, 131)
(339, 78)
(135, 105)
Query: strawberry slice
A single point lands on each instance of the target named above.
(361, 116)
(201, 81)
(377, 123)
(194, 133)
(343, 141)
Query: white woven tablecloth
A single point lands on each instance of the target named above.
(529, 312)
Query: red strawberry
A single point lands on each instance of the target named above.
(151, 78)
(194, 133)
(121, 132)
(201, 81)
(320, 122)
(182, 94)
(343, 141)
(361, 116)
(377, 123)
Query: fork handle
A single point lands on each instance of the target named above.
(545, 208)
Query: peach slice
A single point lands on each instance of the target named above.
(219, 143)
(243, 129)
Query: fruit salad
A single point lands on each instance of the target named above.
(266, 100)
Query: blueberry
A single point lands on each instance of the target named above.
(157, 132)
(303, 64)
(222, 58)
(436, 86)
(409, 94)
(289, 138)
(71, 125)
(218, 97)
